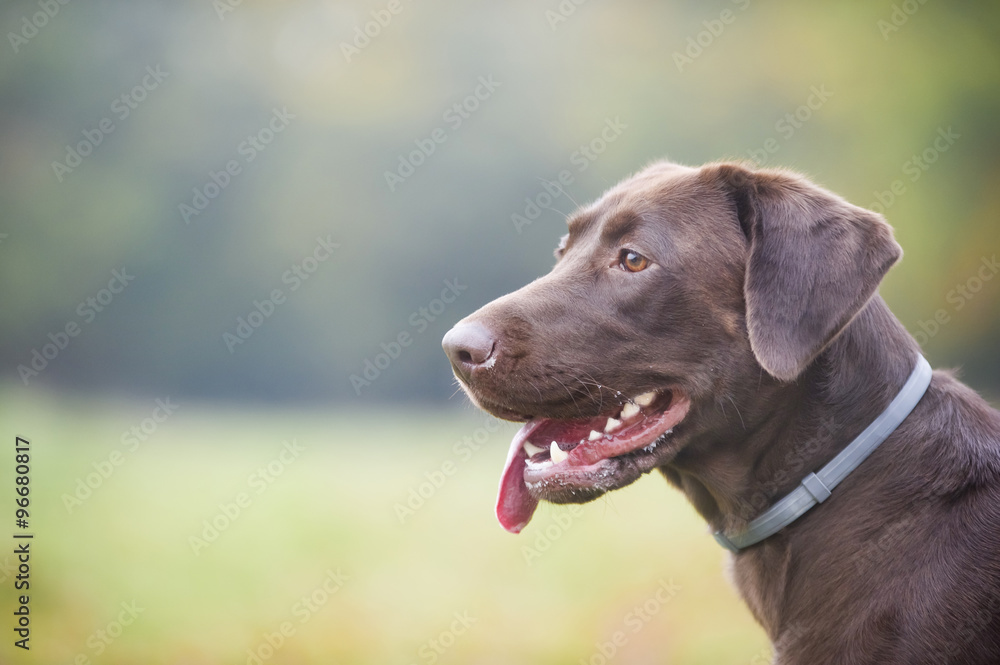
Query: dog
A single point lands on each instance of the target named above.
(722, 325)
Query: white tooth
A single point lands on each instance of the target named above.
(645, 399)
(538, 465)
(556, 453)
(629, 410)
(653, 445)
(531, 448)
(595, 435)
(612, 425)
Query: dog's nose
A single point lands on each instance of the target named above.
(469, 345)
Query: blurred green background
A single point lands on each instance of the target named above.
(196, 208)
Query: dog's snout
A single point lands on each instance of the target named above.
(469, 345)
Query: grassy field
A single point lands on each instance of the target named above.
(205, 543)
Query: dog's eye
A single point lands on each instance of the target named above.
(633, 261)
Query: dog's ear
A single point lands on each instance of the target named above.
(814, 261)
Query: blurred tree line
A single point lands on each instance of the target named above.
(262, 201)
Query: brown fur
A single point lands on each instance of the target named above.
(761, 306)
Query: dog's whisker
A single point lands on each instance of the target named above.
(570, 197)
(570, 393)
(730, 397)
(585, 376)
(564, 214)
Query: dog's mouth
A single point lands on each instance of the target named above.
(576, 460)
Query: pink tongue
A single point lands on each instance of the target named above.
(515, 505)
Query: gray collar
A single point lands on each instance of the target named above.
(816, 487)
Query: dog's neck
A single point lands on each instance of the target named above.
(737, 471)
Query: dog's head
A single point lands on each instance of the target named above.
(678, 290)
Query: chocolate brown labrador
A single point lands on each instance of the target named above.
(722, 325)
